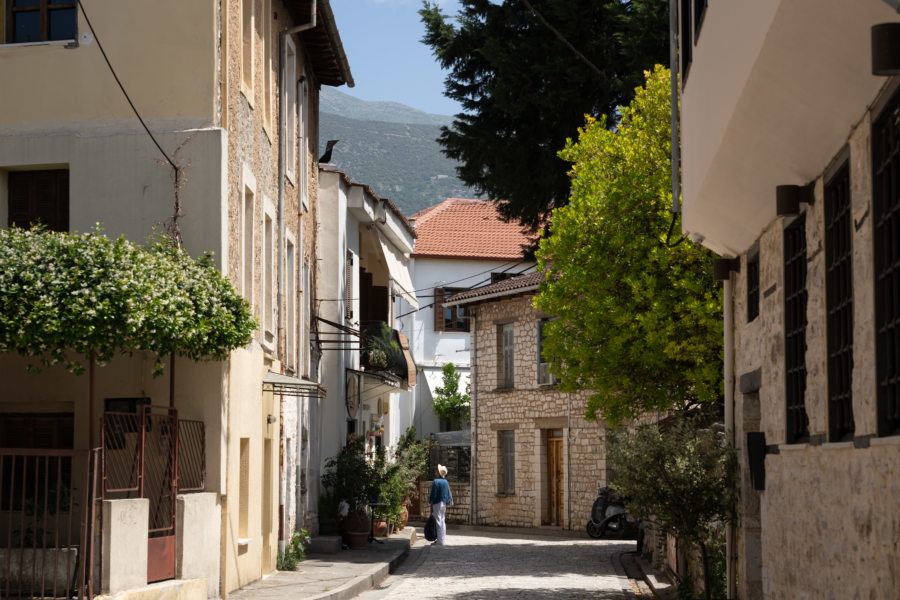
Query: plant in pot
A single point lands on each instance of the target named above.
(386, 493)
(328, 512)
(412, 457)
(349, 476)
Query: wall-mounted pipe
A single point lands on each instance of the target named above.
(673, 89)
(728, 318)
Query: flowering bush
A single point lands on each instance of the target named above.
(90, 294)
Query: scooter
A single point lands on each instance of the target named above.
(609, 516)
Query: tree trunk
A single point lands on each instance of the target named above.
(707, 590)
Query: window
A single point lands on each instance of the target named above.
(244, 490)
(303, 124)
(506, 347)
(839, 305)
(39, 197)
(34, 478)
(450, 318)
(457, 459)
(795, 329)
(752, 286)
(348, 286)
(265, 30)
(506, 461)
(545, 377)
(290, 270)
(305, 315)
(290, 108)
(886, 223)
(248, 214)
(40, 21)
(247, 27)
(686, 39)
(268, 266)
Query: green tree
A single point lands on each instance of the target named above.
(639, 322)
(681, 479)
(524, 91)
(449, 402)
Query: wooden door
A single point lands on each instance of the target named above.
(555, 477)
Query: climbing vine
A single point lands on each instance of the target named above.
(68, 294)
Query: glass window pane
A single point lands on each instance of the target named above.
(62, 24)
(26, 3)
(26, 27)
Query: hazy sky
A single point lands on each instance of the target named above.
(388, 62)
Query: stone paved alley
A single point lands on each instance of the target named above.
(478, 565)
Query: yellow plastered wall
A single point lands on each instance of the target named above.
(164, 52)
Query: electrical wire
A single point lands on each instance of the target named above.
(668, 243)
(562, 38)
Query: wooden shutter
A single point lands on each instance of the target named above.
(439, 309)
(508, 356)
(39, 196)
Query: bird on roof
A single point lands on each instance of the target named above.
(326, 158)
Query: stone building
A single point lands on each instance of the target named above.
(790, 153)
(229, 90)
(536, 460)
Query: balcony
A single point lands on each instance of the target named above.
(385, 352)
(774, 89)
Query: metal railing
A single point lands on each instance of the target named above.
(45, 523)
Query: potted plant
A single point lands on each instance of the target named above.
(412, 457)
(349, 478)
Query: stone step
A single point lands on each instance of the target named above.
(325, 544)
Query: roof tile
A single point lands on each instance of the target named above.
(467, 228)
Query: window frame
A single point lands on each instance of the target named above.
(885, 136)
(269, 238)
(506, 462)
(248, 50)
(457, 313)
(30, 181)
(248, 234)
(543, 367)
(752, 285)
(506, 356)
(839, 304)
(795, 324)
(290, 112)
(44, 8)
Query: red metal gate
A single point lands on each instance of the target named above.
(140, 459)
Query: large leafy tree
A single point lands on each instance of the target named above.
(524, 90)
(639, 322)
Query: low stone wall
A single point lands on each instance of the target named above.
(462, 501)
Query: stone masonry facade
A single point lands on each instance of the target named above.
(827, 524)
(537, 414)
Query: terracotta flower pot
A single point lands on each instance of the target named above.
(357, 539)
(404, 516)
(381, 527)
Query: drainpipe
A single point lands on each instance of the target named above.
(473, 396)
(282, 74)
(673, 83)
(728, 310)
(298, 467)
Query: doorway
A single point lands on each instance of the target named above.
(555, 477)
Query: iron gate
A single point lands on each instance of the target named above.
(140, 460)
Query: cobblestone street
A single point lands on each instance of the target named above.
(496, 566)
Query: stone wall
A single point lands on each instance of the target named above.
(462, 501)
(826, 524)
(532, 411)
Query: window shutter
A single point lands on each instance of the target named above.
(439, 309)
(348, 295)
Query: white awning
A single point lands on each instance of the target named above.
(398, 267)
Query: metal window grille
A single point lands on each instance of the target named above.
(752, 287)
(839, 305)
(797, 425)
(886, 223)
(506, 477)
(457, 459)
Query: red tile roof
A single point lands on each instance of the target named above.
(473, 229)
(508, 287)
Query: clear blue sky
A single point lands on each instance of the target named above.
(388, 62)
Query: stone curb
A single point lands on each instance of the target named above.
(377, 573)
(657, 582)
